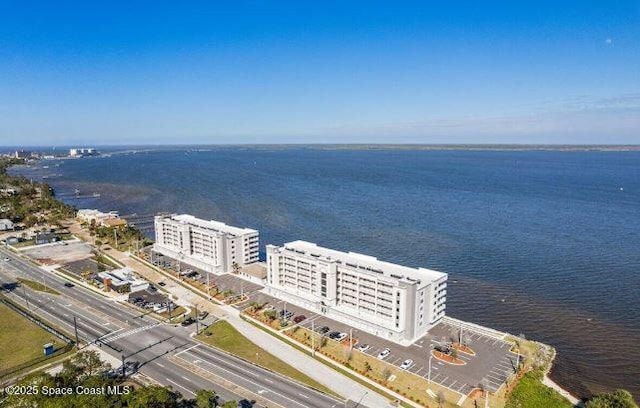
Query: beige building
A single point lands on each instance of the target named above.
(209, 245)
(388, 300)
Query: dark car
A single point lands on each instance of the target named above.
(69, 284)
(161, 283)
(333, 335)
(188, 321)
(323, 329)
(299, 318)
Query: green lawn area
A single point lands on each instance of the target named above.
(531, 393)
(20, 339)
(38, 286)
(224, 336)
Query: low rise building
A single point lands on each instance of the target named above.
(388, 300)
(122, 280)
(99, 218)
(45, 238)
(6, 224)
(209, 245)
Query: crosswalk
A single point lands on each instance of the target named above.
(118, 334)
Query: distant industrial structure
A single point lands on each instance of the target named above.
(388, 300)
(83, 151)
(22, 154)
(209, 245)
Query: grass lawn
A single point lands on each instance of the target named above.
(224, 336)
(20, 339)
(175, 313)
(38, 286)
(531, 393)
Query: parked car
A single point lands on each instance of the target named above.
(323, 329)
(162, 284)
(333, 335)
(203, 315)
(406, 364)
(188, 321)
(69, 284)
(299, 318)
(286, 314)
(363, 347)
(6, 259)
(384, 353)
(342, 336)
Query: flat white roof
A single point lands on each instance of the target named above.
(213, 225)
(367, 263)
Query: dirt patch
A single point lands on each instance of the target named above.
(60, 253)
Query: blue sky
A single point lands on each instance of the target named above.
(312, 72)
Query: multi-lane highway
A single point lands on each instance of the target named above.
(166, 353)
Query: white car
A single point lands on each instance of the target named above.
(341, 336)
(363, 347)
(406, 364)
(7, 259)
(384, 353)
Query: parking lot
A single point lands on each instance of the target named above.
(224, 283)
(491, 366)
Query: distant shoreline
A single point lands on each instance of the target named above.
(110, 149)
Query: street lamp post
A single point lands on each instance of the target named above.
(429, 375)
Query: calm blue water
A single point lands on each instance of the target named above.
(541, 243)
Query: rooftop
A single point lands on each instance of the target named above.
(212, 225)
(366, 263)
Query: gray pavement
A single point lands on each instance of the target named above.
(155, 345)
(492, 364)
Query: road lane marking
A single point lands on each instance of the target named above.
(184, 388)
(187, 349)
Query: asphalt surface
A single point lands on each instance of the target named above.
(158, 347)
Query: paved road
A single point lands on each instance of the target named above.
(167, 353)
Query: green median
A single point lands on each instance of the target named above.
(224, 336)
(38, 286)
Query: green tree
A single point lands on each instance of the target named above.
(229, 404)
(616, 399)
(206, 399)
(89, 362)
(153, 397)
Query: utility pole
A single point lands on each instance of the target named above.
(429, 375)
(24, 293)
(123, 372)
(169, 307)
(197, 328)
(350, 339)
(75, 328)
(208, 285)
(115, 237)
(313, 339)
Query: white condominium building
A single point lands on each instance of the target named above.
(209, 245)
(388, 300)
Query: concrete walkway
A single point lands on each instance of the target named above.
(552, 384)
(328, 377)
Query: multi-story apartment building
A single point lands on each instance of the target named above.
(209, 245)
(388, 300)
